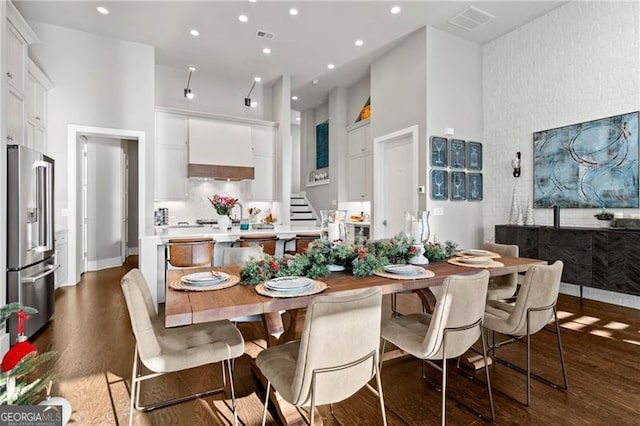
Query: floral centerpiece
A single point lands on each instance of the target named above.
(437, 251)
(223, 206)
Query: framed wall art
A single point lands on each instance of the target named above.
(458, 191)
(457, 154)
(322, 145)
(439, 185)
(474, 155)
(474, 186)
(439, 151)
(588, 165)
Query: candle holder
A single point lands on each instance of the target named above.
(333, 228)
(418, 231)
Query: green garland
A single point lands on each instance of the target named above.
(363, 259)
(437, 251)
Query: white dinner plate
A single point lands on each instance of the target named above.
(403, 269)
(288, 283)
(475, 252)
(205, 278)
(475, 260)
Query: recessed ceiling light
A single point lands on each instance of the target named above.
(331, 66)
(243, 18)
(254, 104)
(194, 33)
(266, 50)
(359, 42)
(102, 10)
(315, 81)
(252, 1)
(257, 79)
(294, 98)
(293, 12)
(297, 118)
(192, 68)
(395, 10)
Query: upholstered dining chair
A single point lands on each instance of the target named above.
(533, 309)
(505, 286)
(267, 242)
(165, 350)
(337, 355)
(454, 326)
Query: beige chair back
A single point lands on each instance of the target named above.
(240, 255)
(461, 302)
(143, 315)
(504, 286)
(339, 328)
(539, 289)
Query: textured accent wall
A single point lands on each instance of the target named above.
(577, 63)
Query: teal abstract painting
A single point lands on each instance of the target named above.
(588, 165)
(322, 145)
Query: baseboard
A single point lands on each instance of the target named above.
(97, 265)
(612, 297)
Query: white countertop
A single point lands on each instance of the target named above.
(162, 234)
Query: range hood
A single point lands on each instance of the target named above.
(220, 172)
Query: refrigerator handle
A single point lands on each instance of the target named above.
(44, 194)
(50, 270)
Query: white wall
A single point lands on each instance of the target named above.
(579, 62)
(99, 82)
(281, 109)
(105, 202)
(213, 93)
(295, 160)
(357, 96)
(454, 99)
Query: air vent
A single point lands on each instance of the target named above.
(265, 34)
(471, 19)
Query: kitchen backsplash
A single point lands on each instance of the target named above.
(197, 206)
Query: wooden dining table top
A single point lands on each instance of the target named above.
(192, 307)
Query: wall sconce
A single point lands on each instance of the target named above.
(247, 100)
(187, 91)
(515, 163)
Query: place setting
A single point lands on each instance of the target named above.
(404, 272)
(205, 281)
(292, 286)
(476, 258)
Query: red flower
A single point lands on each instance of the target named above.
(260, 271)
(412, 249)
(274, 266)
(361, 254)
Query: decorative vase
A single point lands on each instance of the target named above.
(416, 227)
(529, 215)
(224, 222)
(515, 209)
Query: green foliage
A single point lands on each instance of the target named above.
(26, 391)
(11, 308)
(437, 251)
(396, 250)
(366, 262)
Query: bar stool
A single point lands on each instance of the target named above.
(267, 242)
(302, 242)
(190, 252)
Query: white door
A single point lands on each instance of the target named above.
(395, 180)
(85, 205)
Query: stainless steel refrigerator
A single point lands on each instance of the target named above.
(30, 246)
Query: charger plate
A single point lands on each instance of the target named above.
(477, 252)
(490, 264)
(317, 287)
(183, 286)
(422, 275)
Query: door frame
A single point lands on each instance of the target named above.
(378, 201)
(73, 131)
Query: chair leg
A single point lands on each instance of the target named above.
(394, 306)
(381, 398)
(134, 384)
(486, 370)
(564, 368)
(266, 404)
(444, 386)
(233, 392)
(528, 363)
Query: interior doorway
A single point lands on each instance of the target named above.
(106, 197)
(395, 180)
(108, 191)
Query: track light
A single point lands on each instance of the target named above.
(187, 91)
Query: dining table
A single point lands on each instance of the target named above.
(194, 307)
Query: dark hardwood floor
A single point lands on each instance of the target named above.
(92, 335)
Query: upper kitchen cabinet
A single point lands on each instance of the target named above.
(360, 163)
(217, 142)
(359, 138)
(18, 37)
(263, 139)
(171, 157)
(35, 104)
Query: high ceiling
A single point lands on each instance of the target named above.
(322, 32)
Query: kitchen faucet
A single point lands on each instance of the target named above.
(241, 210)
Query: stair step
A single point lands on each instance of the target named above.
(300, 209)
(298, 202)
(302, 215)
(299, 222)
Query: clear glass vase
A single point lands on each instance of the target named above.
(416, 226)
(334, 225)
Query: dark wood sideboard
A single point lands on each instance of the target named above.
(603, 258)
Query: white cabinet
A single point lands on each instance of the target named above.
(61, 257)
(359, 148)
(360, 178)
(224, 143)
(15, 117)
(263, 139)
(171, 157)
(35, 107)
(359, 140)
(16, 57)
(264, 176)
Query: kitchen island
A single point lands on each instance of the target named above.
(153, 253)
